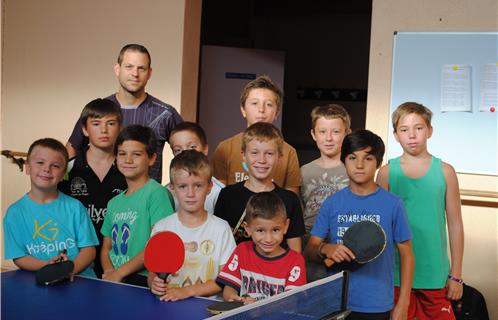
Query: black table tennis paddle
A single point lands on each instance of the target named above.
(366, 239)
(164, 254)
(54, 273)
(223, 306)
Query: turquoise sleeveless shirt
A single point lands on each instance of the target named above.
(425, 202)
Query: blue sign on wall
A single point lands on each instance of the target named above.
(237, 75)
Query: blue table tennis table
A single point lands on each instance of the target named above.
(94, 299)
(89, 299)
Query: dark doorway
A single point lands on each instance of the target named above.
(326, 45)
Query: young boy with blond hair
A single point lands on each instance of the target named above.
(327, 174)
(44, 221)
(429, 189)
(92, 177)
(262, 146)
(260, 101)
(208, 239)
(261, 268)
(190, 136)
(132, 214)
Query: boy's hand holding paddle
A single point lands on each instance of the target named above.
(337, 253)
(59, 269)
(164, 255)
(363, 242)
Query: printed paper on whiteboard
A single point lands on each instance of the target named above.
(489, 88)
(456, 88)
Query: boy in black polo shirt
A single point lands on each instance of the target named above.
(92, 176)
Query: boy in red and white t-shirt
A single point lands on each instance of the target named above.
(262, 268)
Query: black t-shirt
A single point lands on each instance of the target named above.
(232, 202)
(81, 183)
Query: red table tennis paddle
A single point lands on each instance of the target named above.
(164, 254)
(366, 239)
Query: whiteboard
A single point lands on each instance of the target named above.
(466, 140)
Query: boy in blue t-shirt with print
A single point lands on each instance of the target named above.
(371, 289)
(44, 222)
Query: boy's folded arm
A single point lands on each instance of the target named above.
(104, 255)
(30, 263)
(230, 294)
(207, 288)
(133, 265)
(84, 258)
(406, 276)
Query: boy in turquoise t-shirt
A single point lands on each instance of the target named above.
(44, 221)
(132, 214)
(429, 189)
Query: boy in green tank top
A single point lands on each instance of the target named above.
(429, 189)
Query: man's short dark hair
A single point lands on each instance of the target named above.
(362, 139)
(136, 132)
(100, 108)
(133, 47)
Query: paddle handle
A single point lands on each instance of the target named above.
(163, 275)
(328, 262)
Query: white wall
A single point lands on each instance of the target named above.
(58, 55)
(481, 236)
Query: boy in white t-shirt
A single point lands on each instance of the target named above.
(208, 239)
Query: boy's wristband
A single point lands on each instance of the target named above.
(453, 278)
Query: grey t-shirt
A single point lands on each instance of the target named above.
(317, 184)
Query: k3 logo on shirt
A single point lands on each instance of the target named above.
(234, 264)
(47, 231)
(294, 274)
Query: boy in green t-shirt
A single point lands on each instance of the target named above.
(132, 214)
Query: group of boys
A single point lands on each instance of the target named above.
(122, 206)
